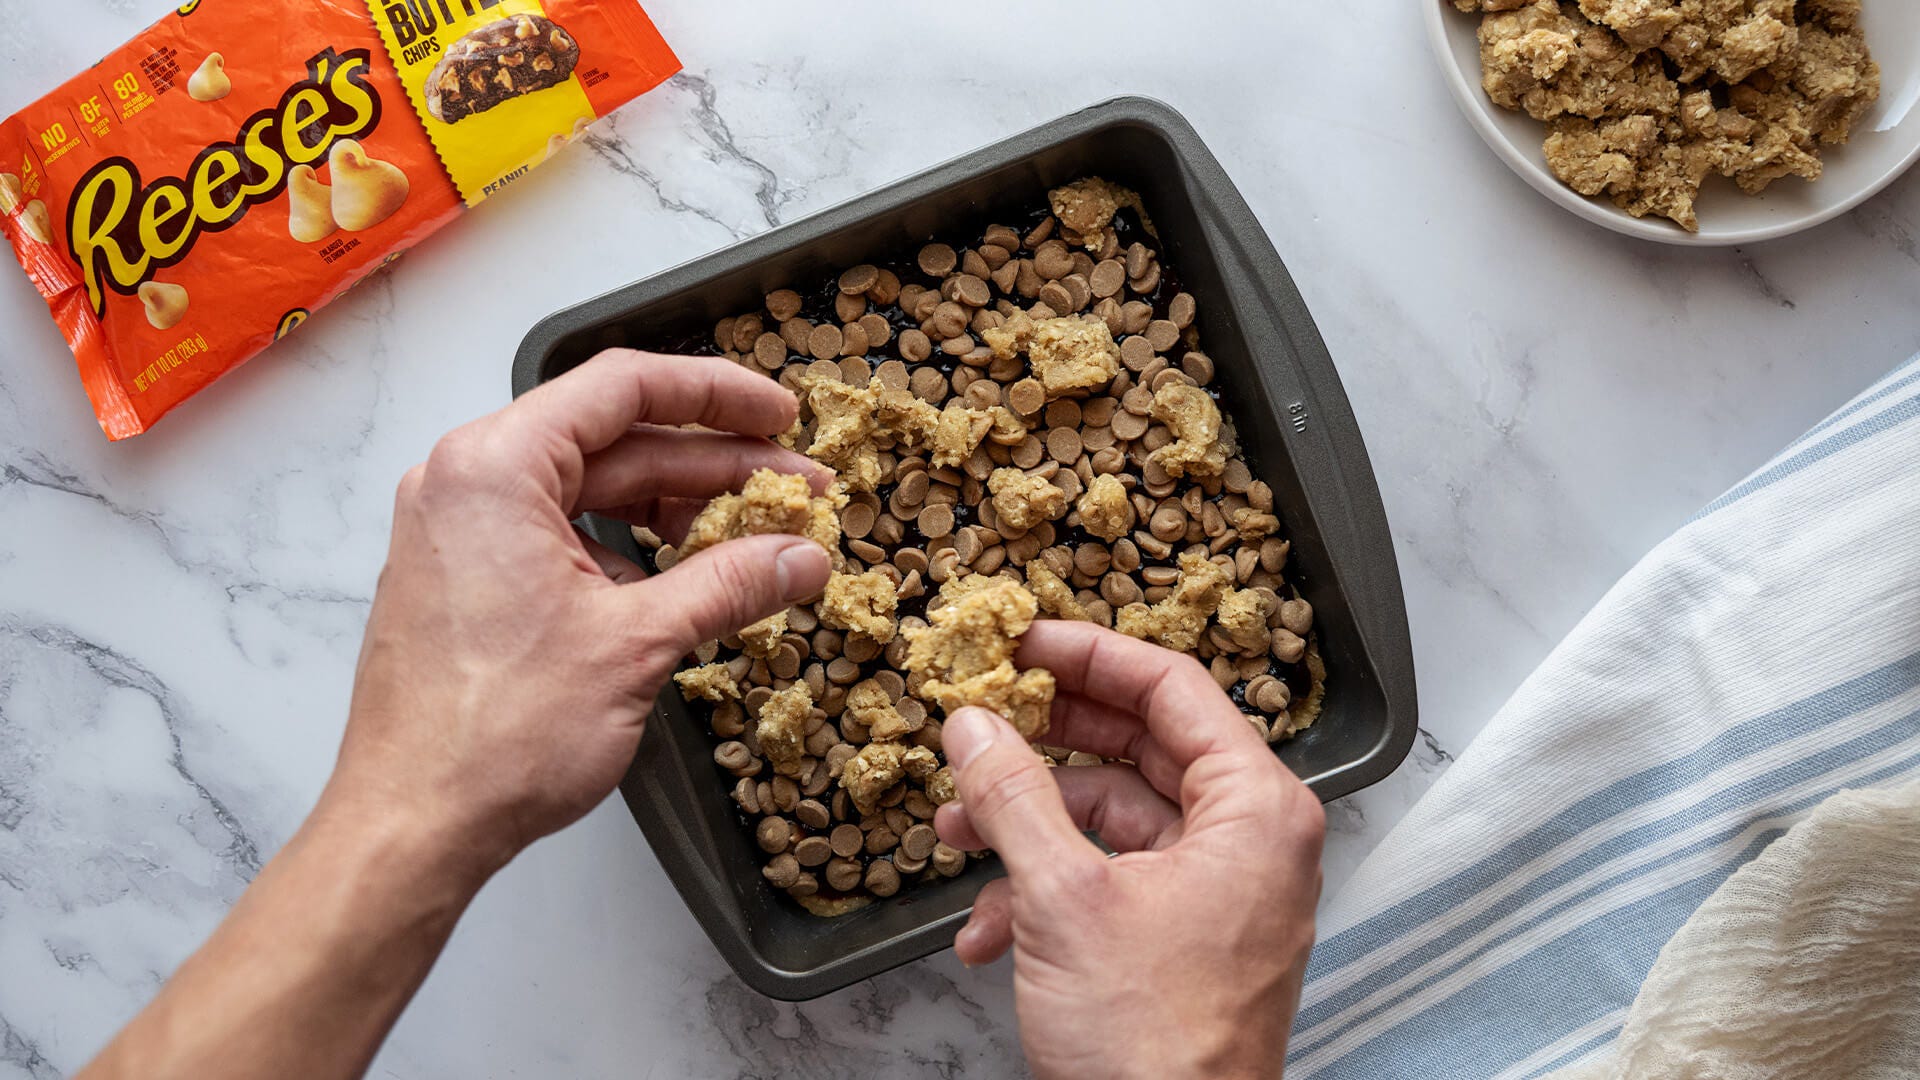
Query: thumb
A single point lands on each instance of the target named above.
(1011, 798)
(731, 586)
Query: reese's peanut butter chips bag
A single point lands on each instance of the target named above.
(193, 197)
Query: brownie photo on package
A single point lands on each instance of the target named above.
(500, 61)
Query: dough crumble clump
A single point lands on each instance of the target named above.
(1105, 509)
(1086, 207)
(782, 729)
(869, 703)
(862, 603)
(1054, 595)
(1647, 99)
(1069, 354)
(770, 502)
(1178, 621)
(1243, 615)
(1024, 501)
(762, 638)
(708, 682)
(871, 773)
(1198, 448)
(966, 656)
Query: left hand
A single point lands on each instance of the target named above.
(511, 662)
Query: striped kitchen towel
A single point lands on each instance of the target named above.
(1764, 657)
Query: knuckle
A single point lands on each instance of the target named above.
(1309, 816)
(736, 589)
(1188, 669)
(1075, 883)
(1082, 877)
(1005, 786)
(411, 483)
(459, 456)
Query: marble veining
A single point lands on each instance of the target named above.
(179, 615)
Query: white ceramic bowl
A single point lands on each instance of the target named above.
(1885, 141)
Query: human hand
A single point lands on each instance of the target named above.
(1183, 955)
(510, 662)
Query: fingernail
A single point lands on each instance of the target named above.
(802, 570)
(967, 733)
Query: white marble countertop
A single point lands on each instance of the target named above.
(179, 614)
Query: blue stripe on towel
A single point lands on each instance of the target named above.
(1878, 424)
(1749, 792)
(1578, 1052)
(1893, 383)
(1736, 743)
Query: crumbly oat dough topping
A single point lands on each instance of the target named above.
(1017, 353)
(782, 730)
(1647, 99)
(862, 603)
(1178, 621)
(769, 503)
(869, 774)
(1086, 207)
(762, 638)
(1054, 595)
(708, 682)
(1198, 448)
(966, 653)
(1105, 509)
(1024, 501)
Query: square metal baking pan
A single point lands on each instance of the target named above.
(1276, 380)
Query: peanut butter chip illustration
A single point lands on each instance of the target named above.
(38, 221)
(210, 82)
(11, 193)
(310, 206)
(166, 304)
(366, 191)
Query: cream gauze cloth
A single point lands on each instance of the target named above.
(1805, 964)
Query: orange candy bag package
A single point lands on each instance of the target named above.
(200, 192)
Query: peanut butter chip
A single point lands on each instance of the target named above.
(1180, 311)
(1026, 397)
(937, 260)
(853, 340)
(1055, 295)
(858, 280)
(936, 521)
(813, 851)
(857, 520)
(1063, 444)
(1163, 335)
(846, 840)
(1129, 426)
(1108, 278)
(783, 304)
(770, 351)
(825, 342)
(919, 841)
(972, 291)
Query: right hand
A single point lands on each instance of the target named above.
(1184, 954)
